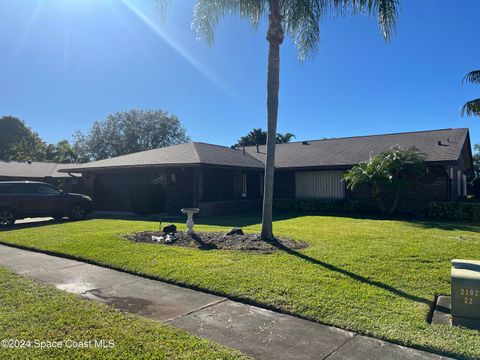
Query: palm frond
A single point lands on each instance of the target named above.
(302, 23)
(473, 77)
(385, 10)
(162, 6)
(208, 13)
(471, 108)
(301, 18)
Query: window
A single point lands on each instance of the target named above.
(459, 183)
(326, 184)
(47, 190)
(244, 185)
(5, 189)
(24, 189)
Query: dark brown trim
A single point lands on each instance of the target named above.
(149, 166)
(210, 166)
(347, 167)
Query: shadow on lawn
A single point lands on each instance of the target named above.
(256, 219)
(350, 274)
(445, 225)
(241, 220)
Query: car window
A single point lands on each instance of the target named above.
(47, 190)
(28, 189)
(24, 189)
(5, 189)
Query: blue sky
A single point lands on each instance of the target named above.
(66, 63)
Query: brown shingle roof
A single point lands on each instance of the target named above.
(194, 153)
(32, 170)
(437, 145)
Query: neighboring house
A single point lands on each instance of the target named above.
(219, 179)
(43, 171)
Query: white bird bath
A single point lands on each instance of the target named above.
(190, 212)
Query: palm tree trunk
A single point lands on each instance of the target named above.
(397, 192)
(395, 202)
(378, 198)
(275, 38)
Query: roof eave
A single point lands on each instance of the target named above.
(348, 166)
(170, 165)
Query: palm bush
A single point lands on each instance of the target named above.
(387, 174)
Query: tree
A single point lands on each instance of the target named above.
(18, 142)
(128, 132)
(402, 165)
(388, 173)
(300, 20)
(476, 161)
(62, 153)
(284, 138)
(254, 137)
(259, 137)
(474, 175)
(372, 173)
(472, 108)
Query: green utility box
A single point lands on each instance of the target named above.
(466, 293)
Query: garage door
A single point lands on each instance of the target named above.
(326, 184)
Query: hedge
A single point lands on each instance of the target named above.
(465, 211)
(443, 210)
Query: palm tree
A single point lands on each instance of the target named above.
(403, 165)
(472, 108)
(373, 173)
(300, 20)
(387, 173)
(284, 138)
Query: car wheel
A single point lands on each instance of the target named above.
(7, 217)
(78, 212)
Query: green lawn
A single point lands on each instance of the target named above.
(33, 311)
(376, 277)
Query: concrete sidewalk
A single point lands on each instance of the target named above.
(255, 331)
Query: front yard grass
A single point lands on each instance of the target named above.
(376, 277)
(31, 311)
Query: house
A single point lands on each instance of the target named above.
(43, 171)
(219, 179)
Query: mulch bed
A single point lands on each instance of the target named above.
(219, 240)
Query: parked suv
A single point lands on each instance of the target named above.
(21, 199)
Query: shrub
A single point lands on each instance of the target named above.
(465, 211)
(284, 204)
(476, 187)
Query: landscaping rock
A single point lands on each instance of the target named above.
(157, 238)
(235, 231)
(170, 238)
(170, 229)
